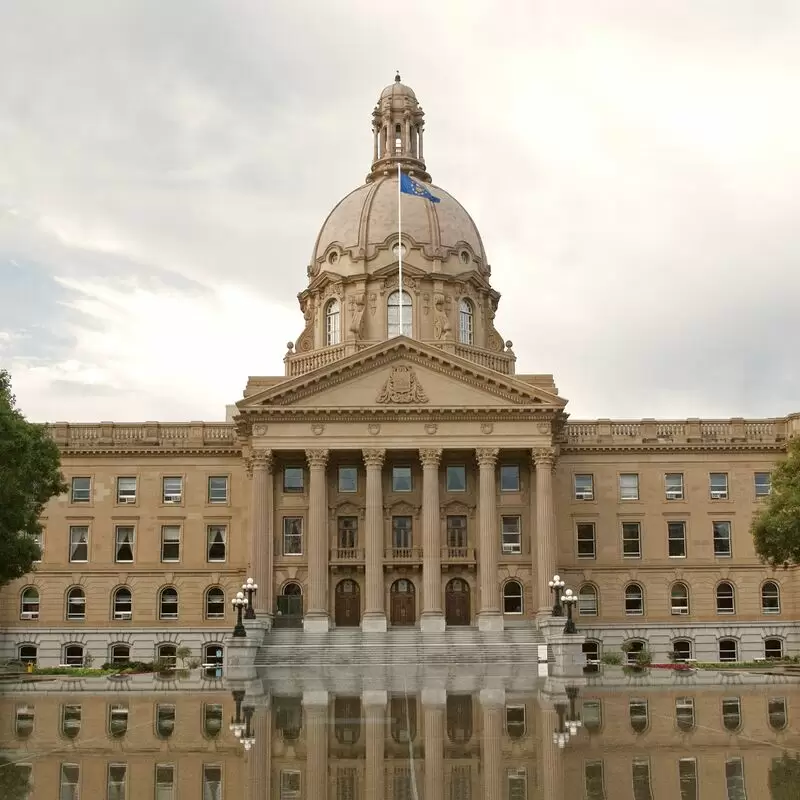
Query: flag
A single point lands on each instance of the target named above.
(409, 186)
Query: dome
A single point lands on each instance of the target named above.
(398, 89)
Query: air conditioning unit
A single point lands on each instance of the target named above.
(719, 494)
(584, 495)
(29, 615)
(674, 494)
(679, 610)
(172, 498)
(128, 499)
(123, 615)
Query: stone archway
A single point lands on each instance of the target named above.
(347, 604)
(403, 603)
(457, 602)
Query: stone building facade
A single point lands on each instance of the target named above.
(402, 473)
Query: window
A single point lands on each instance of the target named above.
(770, 598)
(172, 489)
(584, 487)
(512, 597)
(168, 603)
(631, 540)
(634, 599)
(293, 480)
(676, 539)
(120, 653)
(773, 648)
(591, 651)
(165, 720)
(728, 650)
(289, 717)
(76, 603)
(456, 478)
(24, 720)
(399, 319)
(673, 485)
(29, 603)
(640, 775)
(401, 533)
(117, 781)
(212, 782)
(592, 715)
(81, 490)
(38, 538)
(466, 328)
(216, 536)
(215, 603)
(23, 778)
(456, 532)
(165, 782)
(586, 541)
(509, 478)
(126, 490)
(401, 479)
(515, 721)
(213, 660)
(348, 479)
(167, 654)
(218, 489)
(28, 654)
(593, 780)
(679, 599)
(517, 783)
(587, 600)
(170, 543)
(734, 779)
(726, 598)
(292, 536)
(776, 709)
(348, 533)
(632, 650)
(123, 536)
(70, 721)
(682, 649)
(512, 535)
(629, 486)
(333, 325)
(212, 719)
(763, 483)
(718, 485)
(78, 543)
(722, 539)
(290, 784)
(732, 713)
(684, 713)
(73, 655)
(638, 714)
(687, 778)
(69, 782)
(123, 603)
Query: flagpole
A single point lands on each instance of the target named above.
(400, 248)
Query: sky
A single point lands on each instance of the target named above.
(633, 169)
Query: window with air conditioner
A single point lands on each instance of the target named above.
(512, 535)
(172, 490)
(123, 603)
(679, 599)
(126, 490)
(718, 485)
(584, 487)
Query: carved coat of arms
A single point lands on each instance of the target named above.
(402, 386)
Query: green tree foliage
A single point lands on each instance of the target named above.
(776, 527)
(784, 778)
(30, 475)
(13, 781)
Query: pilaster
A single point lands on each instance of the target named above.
(432, 618)
(315, 708)
(374, 619)
(489, 616)
(492, 707)
(317, 617)
(374, 705)
(261, 539)
(433, 707)
(544, 459)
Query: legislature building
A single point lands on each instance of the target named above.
(402, 473)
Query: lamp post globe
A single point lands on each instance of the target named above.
(250, 587)
(570, 600)
(556, 585)
(239, 603)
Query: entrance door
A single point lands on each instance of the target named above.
(456, 602)
(403, 603)
(347, 613)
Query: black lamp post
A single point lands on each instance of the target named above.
(560, 734)
(236, 726)
(569, 600)
(239, 603)
(556, 585)
(250, 587)
(573, 718)
(247, 739)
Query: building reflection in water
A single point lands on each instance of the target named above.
(682, 742)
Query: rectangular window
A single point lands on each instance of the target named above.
(218, 489)
(348, 533)
(593, 779)
(23, 774)
(592, 714)
(515, 721)
(676, 539)
(293, 536)
(631, 540)
(640, 774)
(684, 713)
(517, 781)
(718, 485)
(509, 478)
(123, 537)
(348, 479)
(586, 540)
(687, 777)
(212, 782)
(78, 543)
(81, 490)
(290, 784)
(456, 531)
(401, 533)
(734, 779)
(170, 543)
(584, 487)
(512, 535)
(293, 482)
(172, 489)
(216, 538)
(456, 478)
(776, 710)
(117, 781)
(165, 782)
(70, 782)
(673, 482)
(401, 479)
(722, 539)
(38, 537)
(629, 486)
(763, 483)
(126, 490)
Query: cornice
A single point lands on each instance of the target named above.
(677, 447)
(156, 451)
(399, 414)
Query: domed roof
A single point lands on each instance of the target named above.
(397, 88)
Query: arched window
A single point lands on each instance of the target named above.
(398, 139)
(632, 650)
(776, 708)
(515, 721)
(684, 713)
(732, 713)
(213, 660)
(458, 714)
(512, 597)
(726, 598)
(403, 718)
(28, 654)
(773, 648)
(591, 651)
(347, 719)
(120, 653)
(123, 603)
(215, 603)
(73, 655)
(399, 318)
(118, 720)
(679, 598)
(638, 714)
(333, 329)
(29, 603)
(290, 607)
(466, 323)
(167, 654)
(728, 650)
(587, 600)
(168, 603)
(770, 598)
(76, 603)
(634, 599)
(682, 650)
(71, 718)
(165, 720)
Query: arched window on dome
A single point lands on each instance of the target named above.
(466, 323)
(398, 140)
(399, 319)
(333, 327)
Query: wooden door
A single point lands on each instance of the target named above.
(403, 603)
(347, 613)
(456, 603)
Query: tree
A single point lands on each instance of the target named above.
(784, 778)
(776, 527)
(14, 783)
(30, 475)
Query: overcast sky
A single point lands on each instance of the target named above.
(634, 169)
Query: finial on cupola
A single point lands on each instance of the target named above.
(397, 77)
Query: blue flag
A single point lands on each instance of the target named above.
(409, 186)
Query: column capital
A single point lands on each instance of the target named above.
(261, 459)
(317, 458)
(544, 457)
(373, 457)
(430, 457)
(487, 456)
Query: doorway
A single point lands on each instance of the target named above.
(347, 611)
(403, 603)
(456, 602)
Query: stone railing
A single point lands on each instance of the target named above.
(460, 554)
(346, 554)
(500, 362)
(144, 434)
(403, 554)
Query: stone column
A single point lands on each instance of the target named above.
(433, 706)
(374, 619)
(546, 548)
(315, 709)
(260, 757)
(261, 536)
(489, 616)
(420, 141)
(551, 765)
(492, 707)
(374, 705)
(317, 618)
(432, 618)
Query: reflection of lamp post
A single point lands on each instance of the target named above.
(556, 585)
(560, 734)
(237, 726)
(573, 718)
(239, 602)
(569, 601)
(247, 739)
(250, 587)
